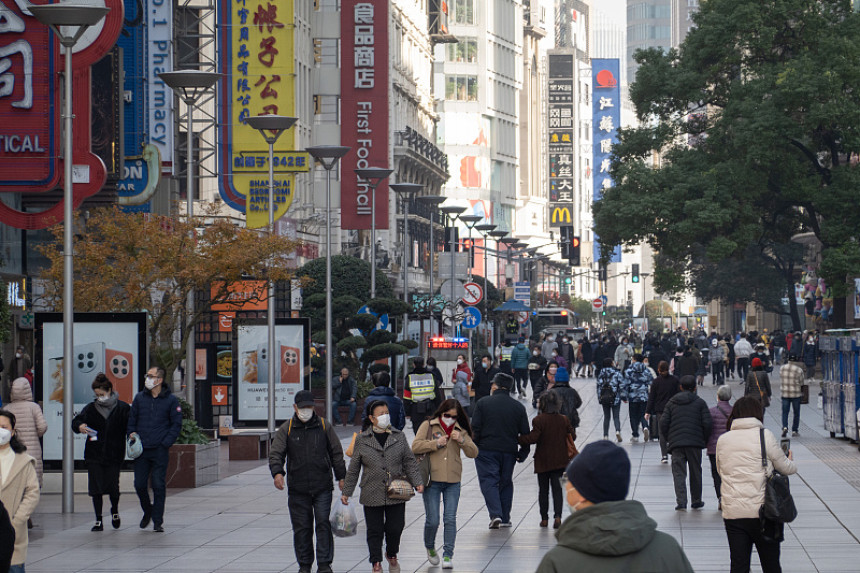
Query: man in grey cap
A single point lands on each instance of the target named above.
(312, 451)
(605, 531)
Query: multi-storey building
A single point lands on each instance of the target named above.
(649, 25)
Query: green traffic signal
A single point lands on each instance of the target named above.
(634, 273)
(568, 280)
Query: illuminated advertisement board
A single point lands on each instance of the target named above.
(30, 146)
(364, 104)
(258, 63)
(560, 118)
(606, 110)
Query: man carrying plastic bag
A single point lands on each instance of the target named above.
(311, 450)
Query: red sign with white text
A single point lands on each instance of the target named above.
(364, 106)
(31, 151)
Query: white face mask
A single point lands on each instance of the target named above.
(149, 382)
(5, 436)
(485, 365)
(383, 421)
(459, 361)
(565, 341)
(555, 353)
(573, 508)
(102, 399)
(17, 355)
(536, 352)
(448, 420)
(305, 414)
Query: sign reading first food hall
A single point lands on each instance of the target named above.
(258, 65)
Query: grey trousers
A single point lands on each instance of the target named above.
(682, 458)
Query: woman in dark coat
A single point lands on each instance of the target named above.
(380, 454)
(549, 431)
(104, 420)
(758, 383)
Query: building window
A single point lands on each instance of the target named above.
(326, 52)
(462, 11)
(466, 50)
(326, 109)
(461, 88)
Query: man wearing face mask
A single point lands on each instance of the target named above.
(155, 420)
(520, 366)
(484, 378)
(607, 532)
(549, 344)
(311, 450)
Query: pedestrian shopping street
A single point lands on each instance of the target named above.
(241, 523)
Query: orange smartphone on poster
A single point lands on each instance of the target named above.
(291, 370)
(121, 373)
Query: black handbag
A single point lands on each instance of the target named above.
(778, 504)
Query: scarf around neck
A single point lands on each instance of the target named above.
(105, 408)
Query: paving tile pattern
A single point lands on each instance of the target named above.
(241, 523)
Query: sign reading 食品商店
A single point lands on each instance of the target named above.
(364, 105)
(258, 66)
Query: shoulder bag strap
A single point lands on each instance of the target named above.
(763, 452)
(760, 393)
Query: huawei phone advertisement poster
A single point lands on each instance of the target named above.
(112, 343)
(251, 365)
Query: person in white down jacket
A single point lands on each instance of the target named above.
(739, 463)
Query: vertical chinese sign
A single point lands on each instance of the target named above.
(561, 133)
(606, 118)
(364, 106)
(257, 59)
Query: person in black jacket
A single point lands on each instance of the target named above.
(7, 539)
(483, 380)
(105, 420)
(537, 364)
(687, 423)
(686, 365)
(498, 422)
(662, 389)
(311, 450)
(155, 420)
(383, 391)
(570, 399)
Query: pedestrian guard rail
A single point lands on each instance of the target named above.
(840, 367)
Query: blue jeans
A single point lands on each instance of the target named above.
(151, 466)
(338, 403)
(615, 411)
(495, 475)
(17, 568)
(450, 494)
(795, 421)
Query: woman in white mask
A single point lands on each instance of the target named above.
(607, 532)
(19, 486)
(381, 453)
(442, 438)
(104, 422)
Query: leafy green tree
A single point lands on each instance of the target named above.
(757, 118)
(356, 346)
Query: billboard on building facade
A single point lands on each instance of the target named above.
(364, 104)
(606, 118)
(30, 138)
(256, 56)
(561, 133)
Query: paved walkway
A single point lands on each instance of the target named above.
(241, 523)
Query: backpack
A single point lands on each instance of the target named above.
(606, 396)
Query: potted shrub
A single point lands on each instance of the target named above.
(194, 457)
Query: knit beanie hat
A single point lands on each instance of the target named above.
(561, 375)
(756, 363)
(601, 472)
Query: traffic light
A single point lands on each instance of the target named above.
(566, 234)
(573, 253)
(634, 272)
(601, 275)
(568, 280)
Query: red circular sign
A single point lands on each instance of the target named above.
(597, 303)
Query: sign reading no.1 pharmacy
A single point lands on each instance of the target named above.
(257, 63)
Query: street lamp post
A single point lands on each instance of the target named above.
(485, 230)
(59, 18)
(453, 212)
(498, 235)
(271, 127)
(374, 176)
(328, 156)
(189, 85)
(406, 191)
(434, 201)
(470, 221)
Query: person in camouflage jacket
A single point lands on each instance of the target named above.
(637, 384)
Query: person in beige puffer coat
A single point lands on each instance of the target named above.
(31, 424)
(739, 463)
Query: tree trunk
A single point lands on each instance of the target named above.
(839, 312)
(792, 310)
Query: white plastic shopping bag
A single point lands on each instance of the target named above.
(344, 522)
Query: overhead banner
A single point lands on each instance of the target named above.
(560, 110)
(251, 368)
(364, 105)
(258, 65)
(606, 118)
